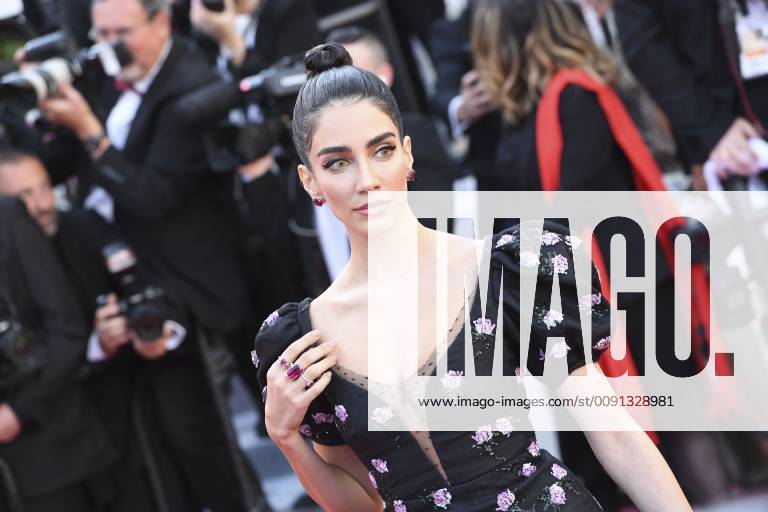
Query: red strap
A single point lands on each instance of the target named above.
(549, 133)
(646, 173)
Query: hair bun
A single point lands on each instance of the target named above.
(324, 57)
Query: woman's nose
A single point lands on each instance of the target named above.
(368, 178)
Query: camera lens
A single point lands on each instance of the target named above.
(146, 320)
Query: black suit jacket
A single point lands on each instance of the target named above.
(676, 50)
(452, 57)
(177, 215)
(61, 442)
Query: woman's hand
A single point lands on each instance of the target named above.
(287, 400)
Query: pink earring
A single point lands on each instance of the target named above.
(411, 176)
(318, 202)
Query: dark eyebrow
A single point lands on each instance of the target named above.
(333, 149)
(379, 138)
(346, 149)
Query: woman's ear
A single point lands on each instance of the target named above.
(308, 180)
(408, 150)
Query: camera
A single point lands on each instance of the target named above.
(59, 62)
(22, 353)
(236, 140)
(140, 303)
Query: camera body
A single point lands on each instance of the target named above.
(59, 62)
(142, 304)
(236, 140)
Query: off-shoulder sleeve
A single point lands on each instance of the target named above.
(279, 330)
(515, 250)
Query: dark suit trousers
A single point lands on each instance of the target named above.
(192, 435)
(69, 499)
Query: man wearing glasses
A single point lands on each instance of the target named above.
(147, 174)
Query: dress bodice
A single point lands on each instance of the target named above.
(496, 467)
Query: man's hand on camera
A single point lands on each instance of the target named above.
(475, 101)
(111, 327)
(10, 426)
(69, 109)
(154, 349)
(220, 26)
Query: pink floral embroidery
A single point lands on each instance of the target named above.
(504, 426)
(373, 480)
(560, 263)
(552, 318)
(322, 417)
(528, 469)
(441, 498)
(549, 238)
(306, 430)
(400, 506)
(505, 500)
(254, 359)
(504, 240)
(573, 241)
(452, 379)
(482, 435)
(341, 413)
(380, 465)
(533, 448)
(556, 494)
(484, 326)
(559, 350)
(558, 471)
(382, 414)
(602, 344)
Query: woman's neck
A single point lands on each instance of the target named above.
(395, 248)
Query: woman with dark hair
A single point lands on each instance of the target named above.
(312, 356)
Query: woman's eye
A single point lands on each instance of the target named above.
(385, 151)
(336, 164)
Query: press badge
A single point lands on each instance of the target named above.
(752, 31)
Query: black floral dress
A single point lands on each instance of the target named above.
(495, 468)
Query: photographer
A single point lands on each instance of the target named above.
(243, 38)
(689, 56)
(160, 369)
(249, 35)
(49, 435)
(146, 171)
(460, 97)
